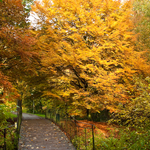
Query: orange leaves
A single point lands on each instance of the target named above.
(4, 83)
(17, 46)
(10, 11)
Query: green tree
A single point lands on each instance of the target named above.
(142, 23)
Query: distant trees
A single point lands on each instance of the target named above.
(142, 22)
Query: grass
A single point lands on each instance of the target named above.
(13, 116)
(40, 115)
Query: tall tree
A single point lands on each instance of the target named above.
(16, 43)
(91, 44)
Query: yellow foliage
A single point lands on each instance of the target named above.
(92, 40)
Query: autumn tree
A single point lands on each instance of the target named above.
(136, 113)
(91, 45)
(16, 43)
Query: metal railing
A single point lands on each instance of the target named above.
(4, 136)
(81, 134)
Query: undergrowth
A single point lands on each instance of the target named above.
(125, 140)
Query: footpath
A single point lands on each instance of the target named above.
(41, 134)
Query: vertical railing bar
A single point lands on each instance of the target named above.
(76, 134)
(4, 139)
(76, 137)
(85, 140)
(93, 137)
(70, 131)
(55, 118)
(79, 137)
(49, 114)
(45, 114)
(66, 126)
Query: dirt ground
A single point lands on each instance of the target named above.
(101, 128)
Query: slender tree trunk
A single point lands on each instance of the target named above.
(33, 106)
(19, 120)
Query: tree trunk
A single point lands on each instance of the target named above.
(19, 120)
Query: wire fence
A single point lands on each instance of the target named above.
(81, 134)
(7, 138)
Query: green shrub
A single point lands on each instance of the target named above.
(10, 132)
(126, 140)
(10, 138)
(137, 112)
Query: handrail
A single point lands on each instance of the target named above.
(74, 131)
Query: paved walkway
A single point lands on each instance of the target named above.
(26, 116)
(42, 134)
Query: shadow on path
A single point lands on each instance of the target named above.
(42, 134)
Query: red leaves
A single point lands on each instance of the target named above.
(4, 82)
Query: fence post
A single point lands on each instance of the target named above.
(70, 132)
(49, 114)
(85, 140)
(45, 113)
(76, 134)
(93, 137)
(67, 123)
(4, 139)
(79, 137)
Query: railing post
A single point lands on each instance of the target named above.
(70, 132)
(49, 114)
(4, 139)
(93, 137)
(75, 127)
(45, 113)
(79, 137)
(67, 123)
(85, 140)
(76, 134)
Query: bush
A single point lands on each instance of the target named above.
(137, 112)
(10, 131)
(127, 140)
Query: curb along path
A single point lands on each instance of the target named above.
(42, 134)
